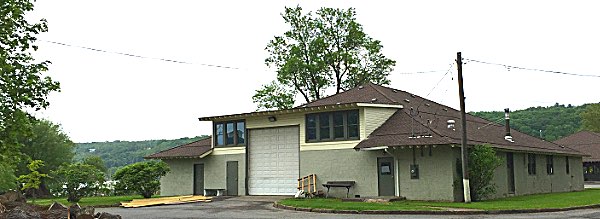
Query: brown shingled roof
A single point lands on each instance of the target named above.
(585, 141)
(191, 150)
(427, 124)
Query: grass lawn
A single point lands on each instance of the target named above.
(90, 201)
(553, 200)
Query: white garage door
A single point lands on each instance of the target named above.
(274, 161)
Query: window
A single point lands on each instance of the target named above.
(219, 134)
(430, 151)
(330, 126)
(567, 165)
(386, 168)
(549, 164)
(531, 164)
(230, 133)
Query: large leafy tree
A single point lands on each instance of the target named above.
(142, 178)
(322, 50)
(590, 118)
(95, 161)
(22, 84)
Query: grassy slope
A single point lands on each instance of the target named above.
(539, 201)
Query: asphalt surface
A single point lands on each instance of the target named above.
(262, 207)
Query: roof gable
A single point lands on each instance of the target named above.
(584, 141)
(194, 149)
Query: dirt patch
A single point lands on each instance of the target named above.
(22, 210)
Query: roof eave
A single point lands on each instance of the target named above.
(296, 110)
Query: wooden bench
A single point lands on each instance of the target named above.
(346, 184)
(214, 192)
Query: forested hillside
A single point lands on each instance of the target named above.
(555, 121)
(120, 153)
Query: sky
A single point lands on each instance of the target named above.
(107, 96)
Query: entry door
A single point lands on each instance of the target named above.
(232, 178)
(510, 166)
(385, 170)
(198, 179)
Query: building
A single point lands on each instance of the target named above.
(390, 142)
(588, 143)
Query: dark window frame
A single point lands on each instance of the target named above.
(549, 164)
(235, 133)
(567, 165)
(330, 126)
(531, 164)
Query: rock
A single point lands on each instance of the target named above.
(105, 215)
(84, 216)
(22, 213)
(12, 196)
(74, 210)
(55, 214)
(87, 210)
(2, 208)
(57, 206)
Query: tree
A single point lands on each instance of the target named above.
(21, 83)
(33, 179)
(78, 180)
(482, 164)
(141, 177)
(327, 49)
(590, 118)
(95, 161)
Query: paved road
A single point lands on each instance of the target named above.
(261, 207)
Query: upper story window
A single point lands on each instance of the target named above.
(230, 133)
(332, 126)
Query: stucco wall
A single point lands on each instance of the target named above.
(541, 182)
(435, 173)
(343, 165)
(181, 178)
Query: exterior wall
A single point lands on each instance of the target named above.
(181, 178)
(436, 181)
(343, 165)
(526, 184)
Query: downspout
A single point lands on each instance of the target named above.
(396, 174)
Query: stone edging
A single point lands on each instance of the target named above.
(473, 212)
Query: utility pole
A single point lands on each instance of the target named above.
(463, 118)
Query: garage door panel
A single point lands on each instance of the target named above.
(273, 161)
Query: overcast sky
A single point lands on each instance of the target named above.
(106, 96)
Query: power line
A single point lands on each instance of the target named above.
(419, 72)
(532, 69)
(138, 56)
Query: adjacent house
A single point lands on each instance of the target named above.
(389, 142)
(588, 143)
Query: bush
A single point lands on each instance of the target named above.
(482, 164)
(78, 180)
(142, 178)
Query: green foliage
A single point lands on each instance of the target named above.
(33, 179)
(78, 180)
(47, 143)
(591, 118)
(95, 161)
(117, 154)
(482, 164)
(142, 177)
(21, 82)
(322, 50)
(274, 96)
(7, 178)
(555, 121)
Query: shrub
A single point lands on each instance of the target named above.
(78, 180)
(142, 178)
(482, 164)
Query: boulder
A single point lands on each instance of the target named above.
(57, 206)
(84, 216)
(22, 213)
(74, 210)
(2, 208)
(105, 215)
(12, 196)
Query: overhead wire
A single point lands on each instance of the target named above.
(139, 56)
(531, 69)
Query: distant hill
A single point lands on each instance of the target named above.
(120, 153)
(555, 121)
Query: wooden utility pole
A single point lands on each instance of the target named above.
(463, 118)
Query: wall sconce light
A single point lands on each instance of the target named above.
(272, 119)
